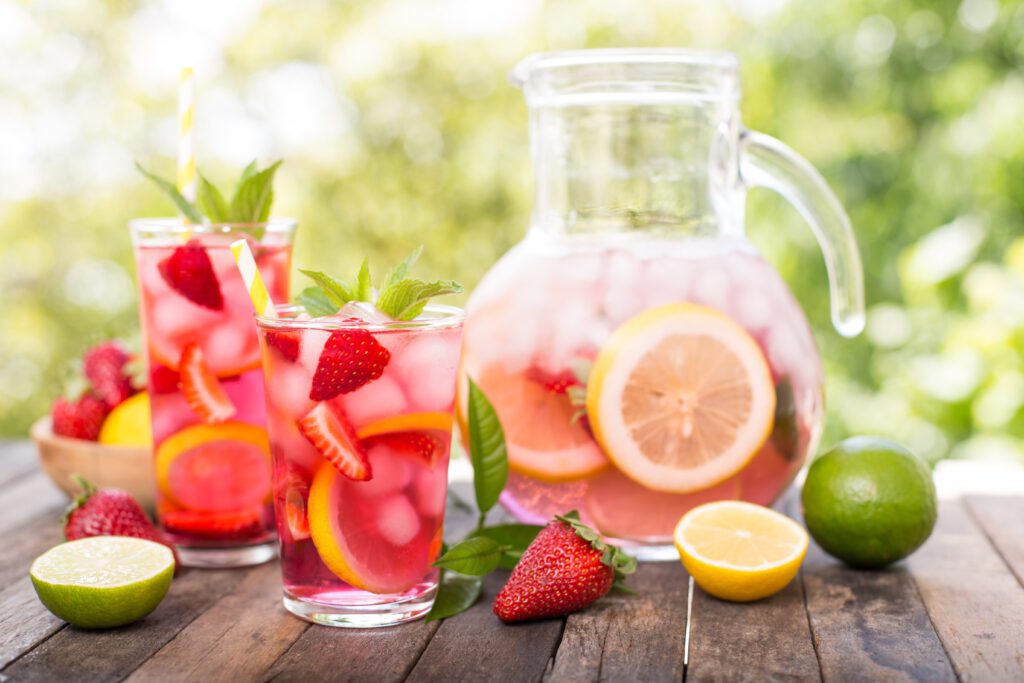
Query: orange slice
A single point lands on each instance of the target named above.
(215, 468)
(410, 422)
(201, 388)
(740, 551)
(681, 398)
(543, 438)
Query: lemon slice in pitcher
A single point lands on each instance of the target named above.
(681, 398)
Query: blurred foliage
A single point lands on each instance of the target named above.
(398, 127)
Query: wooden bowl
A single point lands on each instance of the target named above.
(122, 467)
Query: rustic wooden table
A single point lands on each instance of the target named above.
(955, 610)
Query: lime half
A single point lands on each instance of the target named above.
(103, 581)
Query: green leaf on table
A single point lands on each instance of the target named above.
(364, 286)
(473, 556)
(184, 206)
(486, 449)
(336, 292)
(254, 196)
(398, 273)
(211, 201)
(455, 593)
(316, 303)
(516, 538)
(406, 299)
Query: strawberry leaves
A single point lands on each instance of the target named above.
(249, 204)
(400, 297)
(611, 556)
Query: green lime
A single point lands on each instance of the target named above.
(103, 581)
(869, 502)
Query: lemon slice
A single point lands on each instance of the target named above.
(103, 581)
(740, 551)
(681, 398)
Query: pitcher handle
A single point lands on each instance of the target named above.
(766, 162)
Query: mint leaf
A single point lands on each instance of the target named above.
(185, 206)
(398, 273)
(515, 537)
(254, 196)
(406, 299)
(336, 292)
(473, 556)
(316, 302)
(486, 450)
(364, 286)
(455, 593)
(211, 201)
(247, 172)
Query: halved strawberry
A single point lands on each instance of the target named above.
(350, 359)
(332, 434)
(202, 389)
(189, 272)
(295, 508)
(285, 342)
(557, 383)
(417, 445)
(219, 525)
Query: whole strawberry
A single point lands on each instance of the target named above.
(104, 367)
(564, 570)
(79, 418)
(109, 512)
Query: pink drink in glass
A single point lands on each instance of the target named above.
(360, 477)
(205, 385)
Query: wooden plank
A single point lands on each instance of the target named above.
(24, 622)
(24, 498)
(870, 622)
(476, 646)
(757, 641)
(1000, 518)
(236, 639)
(83, 656)
(974, 601)
(17, 458)
(386, 654)
(628, 637)
(24, 544)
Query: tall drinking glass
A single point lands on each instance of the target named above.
(360, 478)
(210, 446)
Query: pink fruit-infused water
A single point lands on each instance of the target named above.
(360, 465)
(211, 452)
(601, 286)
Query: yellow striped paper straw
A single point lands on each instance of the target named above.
(252, 279)
(186, 152)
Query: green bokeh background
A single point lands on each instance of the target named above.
(397, 127)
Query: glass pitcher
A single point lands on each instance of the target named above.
(641, 356)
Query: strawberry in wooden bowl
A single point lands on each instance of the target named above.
(100, 428)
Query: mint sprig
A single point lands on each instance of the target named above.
(400, 297)
(250, 202)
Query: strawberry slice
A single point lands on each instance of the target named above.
(415, 445)
(163, 380)
(189, 272)
(202, 389)
(219, 525)
(295, 509)
(350, 359)
(332, 435)
(285, 342)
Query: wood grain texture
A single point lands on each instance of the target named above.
(871, 622)
(79, 655)
(1001, 517)
(476, 646)
(237, 639)
(628, 637)
(23, 544)
(383, 655)
(24, 622)
(974, 601)
(766, 640)
(25, 498)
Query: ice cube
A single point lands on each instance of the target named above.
(430, 489)
(752, 309)
(311, 347)
(363, 310)
(427, 369)
(380, 398)
(288, 390)
(397, 520)
(391, 472)
(712, 287)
